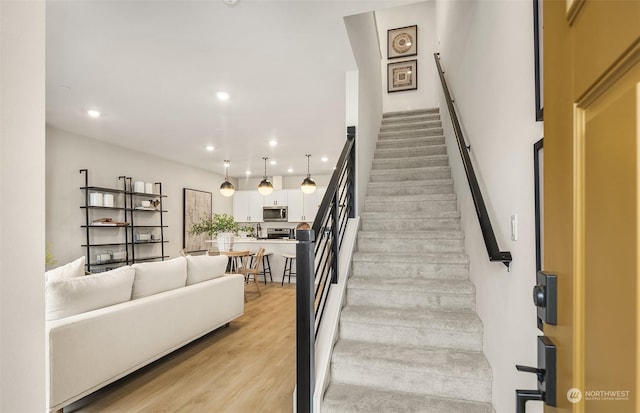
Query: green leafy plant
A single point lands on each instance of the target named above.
(49, 259)
(216, 224)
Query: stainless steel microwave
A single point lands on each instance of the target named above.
(274, 213)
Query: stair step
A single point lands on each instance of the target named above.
(413, 133)
(433, 371)
(411, 206)
(422, 269)
(410, 221)
(410, 142)
(460, 330)
(346, 398)
(411, 162)
(410, 152)
(450, 196)
(410, 174)
(410, 113)
(402, 126)
(405, 188)
(417, 244)
(398, 291)
(411, 119)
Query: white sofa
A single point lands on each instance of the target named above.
(169, 304)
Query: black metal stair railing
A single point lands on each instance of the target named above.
(481, 210)
(317, 267)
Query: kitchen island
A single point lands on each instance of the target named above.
(276, 260)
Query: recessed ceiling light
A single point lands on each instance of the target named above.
(226, 164)
(272, 162)
(222, 96)
(247, 172)
(290, 170)
(273, 142)
(210, 148)
(93, 113)
(230, 2)
(324, 159)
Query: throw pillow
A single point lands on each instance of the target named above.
(77, 295)
(204, 267)
(70, 270)
(156, 277)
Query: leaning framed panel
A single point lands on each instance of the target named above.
(196, 205)
(402, 42)
(402, 76)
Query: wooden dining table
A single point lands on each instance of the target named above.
(237, 259)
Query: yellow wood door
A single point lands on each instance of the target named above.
(591, 207)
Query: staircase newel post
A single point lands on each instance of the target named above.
(351, 172)
(305, 321)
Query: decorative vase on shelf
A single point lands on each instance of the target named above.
(225, 241)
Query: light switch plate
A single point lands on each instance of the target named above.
(514, 227)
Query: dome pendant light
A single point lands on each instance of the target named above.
(265, 187)
(308, 185)
(226, 189)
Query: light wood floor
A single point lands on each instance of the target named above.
(246, 368)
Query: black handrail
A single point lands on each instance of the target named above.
(317, 267)
(483, 216)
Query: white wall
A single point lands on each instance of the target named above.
(22, 200)
(423, 15)
(363, 36)
(487, 54)
(68, 153)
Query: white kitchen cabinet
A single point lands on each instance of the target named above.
(276, 198)
(303, 207)
(247, 206)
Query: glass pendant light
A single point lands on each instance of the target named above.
(308, 185)
(265, 187)
(226, 189)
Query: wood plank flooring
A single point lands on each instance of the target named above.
(246, 368)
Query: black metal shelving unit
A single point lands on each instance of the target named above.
(125, 206)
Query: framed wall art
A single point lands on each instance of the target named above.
(402, 76)
(196, 204)
(402, 42)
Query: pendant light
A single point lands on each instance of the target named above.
(265, 187)
(308, 185)
(226, 189)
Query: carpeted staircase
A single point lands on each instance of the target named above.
(410, 340)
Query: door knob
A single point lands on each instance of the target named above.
(545, 373)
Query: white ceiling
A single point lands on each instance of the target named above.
(152, 68)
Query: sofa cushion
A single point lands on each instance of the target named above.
(77, 295)
(204, 267)
(156, 277)
(70, 270)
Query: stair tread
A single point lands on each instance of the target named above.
(411, 235)
(439, 361)
(348, 398)
(412, 284)
(410, 198)
(410, 112)
(440, 257)
(467, 321)
(409, 215)
(422, 182)
(406, 170)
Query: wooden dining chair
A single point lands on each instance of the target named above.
(254, 269)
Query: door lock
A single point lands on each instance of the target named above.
(545, 297)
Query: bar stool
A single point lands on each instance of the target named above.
(288, 261)
(266, 266)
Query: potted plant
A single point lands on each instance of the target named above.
(221, 226)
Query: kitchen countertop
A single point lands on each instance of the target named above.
(266, 241)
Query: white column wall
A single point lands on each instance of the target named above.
(487, 54)
(67, 153)
(421, 14)
(363, 37)
(22, 202)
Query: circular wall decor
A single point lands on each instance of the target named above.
(402, 43)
